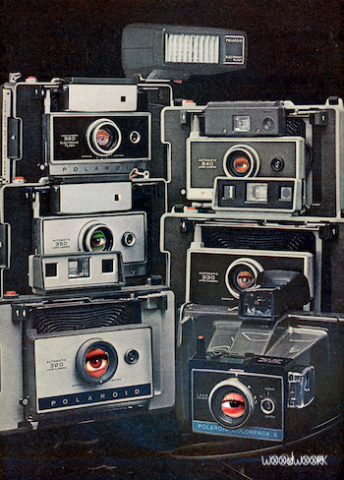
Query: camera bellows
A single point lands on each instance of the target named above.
(267, 239)
(50, 320)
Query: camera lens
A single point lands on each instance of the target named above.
(98, 241)
(103, 137)
(245, 279)
(96, 361)
(240, 165)
(231, 403)
(242, 274)
(96, 238)
(241, 161)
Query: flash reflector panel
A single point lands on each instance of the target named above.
(174, 52)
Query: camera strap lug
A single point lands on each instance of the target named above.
(14, 77)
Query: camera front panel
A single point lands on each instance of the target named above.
(218, 276)
(209, 158)
(82, 369)
(124, 233)
(81, 143)
(243, 405)
(103, 356)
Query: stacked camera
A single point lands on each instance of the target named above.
(119, 204)
(88, 323)
(256, 222)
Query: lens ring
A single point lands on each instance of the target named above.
(103, 137)
(235, 415)
(97, 348)
(242, 274)
(96, 237)
(241, 161)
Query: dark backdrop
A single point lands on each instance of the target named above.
(294, 50)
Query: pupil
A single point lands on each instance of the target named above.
(245, 279)
(241, 165)
(98, 241)
(103, 138)
(95, 362)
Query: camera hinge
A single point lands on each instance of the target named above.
(328, 232)
(155, 302)
(19, 313)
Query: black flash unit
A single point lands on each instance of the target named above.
(166, 52)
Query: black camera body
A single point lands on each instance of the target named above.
(253, 381)
(81, 126)
(266, 160)
(248, 397)
(276, 292)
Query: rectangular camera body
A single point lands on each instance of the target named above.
(262, 385)
(48, 237)
(77, 141)
(276, 392)
(280, 159)
(82, 360)
(289, 166)
(52, 273)
(88, 198)
(81, 126)
(200, 249)
(245, 118)
(217, 276)
(120, 232)
(65, 379)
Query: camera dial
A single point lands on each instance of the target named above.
(132, 356)
(103, 137)
(267, 405)
(129, 239)
(231, 403)
(241, 161)
(135, 137)
(96, 361)
(242, 274)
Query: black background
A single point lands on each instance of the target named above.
(294, 46)
(295, 50)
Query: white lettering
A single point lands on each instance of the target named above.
(291, 460)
